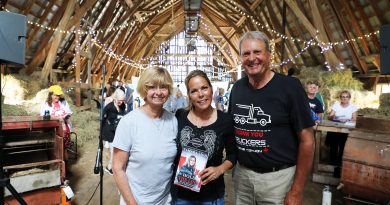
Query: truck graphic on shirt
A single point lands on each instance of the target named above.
(251, 115)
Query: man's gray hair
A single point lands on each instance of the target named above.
(257, 35)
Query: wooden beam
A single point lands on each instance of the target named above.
(319, 24)
(377, 11)
(27, 6)
(57, 40)
(367, 24)
(321, 36)
(44, 45)
(362, 66)
(355, 26)
(222, 33)
(78, 64)
(75, 19)
(328, 17)
(34, 29)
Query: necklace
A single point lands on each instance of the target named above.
(198, 122)
(158, 123)
(157, 119)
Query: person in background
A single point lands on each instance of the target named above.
(210, 132)
(180, 101)
(105, 90)
(344, 112)
(109, 96)
(215, 100)
(169, 105)
(129, 98)
(275, 152)
(119, 85)
(57, 107)
(112, 114)
(145, 144)
(220, 104)
(291, 71)
(315, 104)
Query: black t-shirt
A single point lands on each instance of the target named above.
(212, 140)
(267, 121)
(111, 117)
(316, 105)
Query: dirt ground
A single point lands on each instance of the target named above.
(85, 184)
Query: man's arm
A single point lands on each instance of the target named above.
(304, 165)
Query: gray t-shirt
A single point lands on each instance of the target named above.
(152, 150)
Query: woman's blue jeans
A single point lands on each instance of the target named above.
(219, 201)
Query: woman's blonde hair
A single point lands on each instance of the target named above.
(154, 77)
(345, 92)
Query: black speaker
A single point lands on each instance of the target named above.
(12, 37)
(385, 49)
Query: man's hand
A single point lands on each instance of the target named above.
(293, 198)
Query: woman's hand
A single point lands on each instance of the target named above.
(209, 174)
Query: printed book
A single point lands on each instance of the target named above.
(190, 164)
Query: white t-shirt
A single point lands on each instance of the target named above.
(343, 113)
(152, 149)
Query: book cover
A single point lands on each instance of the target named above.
(190, 164)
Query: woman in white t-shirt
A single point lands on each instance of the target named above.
(345, 112)
(145, 144)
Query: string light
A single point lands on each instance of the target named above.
(284, 62)
(319, 43)
(126, 24)
(162, 8)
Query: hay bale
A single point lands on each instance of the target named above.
(86, 124)
(13, 110)
(384, 100)
(31, 85)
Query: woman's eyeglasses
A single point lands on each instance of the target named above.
(153, 88)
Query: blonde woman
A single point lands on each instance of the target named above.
(144, 144)
(112, 114)
(344, 112)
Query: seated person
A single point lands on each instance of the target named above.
(56, 106)
(342, 111)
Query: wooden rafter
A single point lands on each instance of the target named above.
(44, 46)
(362, 66)
(56, 40)
(321, 35)
(34, 29)
(221, 32)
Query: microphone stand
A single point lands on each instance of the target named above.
(99, 159)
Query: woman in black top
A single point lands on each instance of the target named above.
(208, 131)
(112, 113)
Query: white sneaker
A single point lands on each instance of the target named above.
(109, 171)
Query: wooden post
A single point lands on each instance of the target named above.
(284, 19)
(78, 64)
(89, 68)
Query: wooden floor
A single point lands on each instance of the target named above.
(84, 183)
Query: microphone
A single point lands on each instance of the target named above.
(96, 169)
(104, 69)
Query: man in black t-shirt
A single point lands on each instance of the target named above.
(273, 130)
(314, 103)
